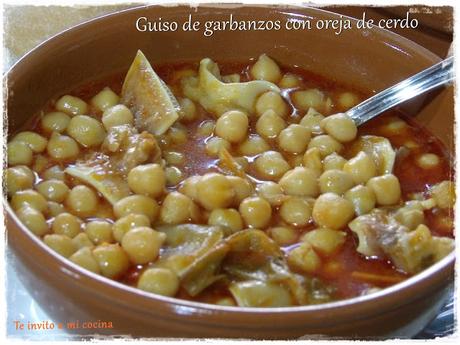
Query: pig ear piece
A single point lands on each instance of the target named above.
(217, 97)
(154, 107)
(380, 150)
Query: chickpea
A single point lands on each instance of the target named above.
(40, 163)
(340, 126)
(271, 165)
(256, 212)
(242, 187)
(411, 145)
(335, 181)
(312, 160)
(362, 198)
(173, 175)
(273, 101)
(334, 161)
(82, 201)
(19, 153)
(112, 260)
(29, 197)
(189, 187)
(53, 190)
(243, 163)
(178, 208)
(386, 189)
(136, 204)
(67, 224)
(253, 145)
(215, 191)
(232, 126)
(272, 192)
(312, 121)
(361, 168)
(86, 130)
(326, 144)
(304, 258)
(62, 147)
(266, 69)
(147, 179)
(60, 244)
(283, 236)
(347, 100)
(174, 158)
(206, 128)
(296, 211)
(55, 122)
(54, 173)
(127, 223)
(177, 134)
(105, 99)
(71, 105)
(215, 144)
(326, 241)
(394, 127)
(270, 124)
(294, 139)
(83, 257)
(289, 81)
(164, 142)
(55, 209)
(99, 231)
(428, 161)
(328, 105)
(306, 99)
(35, 141)
(161, 281)
(443, 194)
(300, 181)
(33, 220)
(332, 211)
(142, 244)
(226, 301)
(229, 218)
(117, 115)
(188, 110)
(19, 178)
(82, 240)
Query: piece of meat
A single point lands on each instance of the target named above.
(154, 107)
(127, 148)
(123, 149)
(217, 97)
(380, 235)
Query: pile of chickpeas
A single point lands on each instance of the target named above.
(295, 178)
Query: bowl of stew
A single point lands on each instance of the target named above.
(173, 184)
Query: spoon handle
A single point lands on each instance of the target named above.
(434, 76)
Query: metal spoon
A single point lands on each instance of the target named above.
(430, 78)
